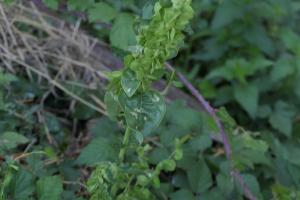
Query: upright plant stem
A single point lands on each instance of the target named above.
(124, 144)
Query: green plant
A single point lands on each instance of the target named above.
(131, 100)
(243, 54)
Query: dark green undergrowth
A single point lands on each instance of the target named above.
(242, 55)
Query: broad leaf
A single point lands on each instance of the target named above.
(22, 185)
(112, 104)
(282, 118)
(100, 149)
(49, 188)
(143, 112)
(247, 97)
(102, 12)
(10, 140)
(226, 13)
(199, 176)
(182, 194)
(122, 34)
(282, 69)
(80, 4)
(129, 82)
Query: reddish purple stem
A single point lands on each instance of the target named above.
(211, 111)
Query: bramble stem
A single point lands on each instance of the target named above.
(124, 144)
(211, 111)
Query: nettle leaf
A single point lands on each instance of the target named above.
(100, 149)
(225, 184)
(247, 97)
(282, 118)
(22, 185)
(199, 176)
(102, 12)
(201, 142)
(248, 151)
(143, 112)
(122, 34)
(226, 13)
(258, 36)
(129, 82)
(282, 69)
(10, 140)
(49, 188)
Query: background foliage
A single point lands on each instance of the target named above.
(241, 54)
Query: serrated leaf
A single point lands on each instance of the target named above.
(102, 12)
(10, 140)
(143, 112)
(226, 13)
(49, 188)
(201, 142)
(129, 82)
(282, 118)
(199, 176)
(247, 97)
(100, 149)
(122, 34)
(22, 185)
(282, 69)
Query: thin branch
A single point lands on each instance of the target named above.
(211, 111)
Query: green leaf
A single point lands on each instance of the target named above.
(282, 69)
(122, 34)
(258, 36)
(225, 184)
(22, 185)
(247, 97)
(281, 192)
(226, 13)
(186, 119)
(80, 5)
(282, 118)
(100, 149)
(147, 11)
(201, 142)
(199, 176)
(102, 12)
(53, 4)
(143, 112)
(252, 184)
(112, 104)
(49, 188)
(129, 82)
(182, 194)
(6, 78)
(99, 127)
(10, 140)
